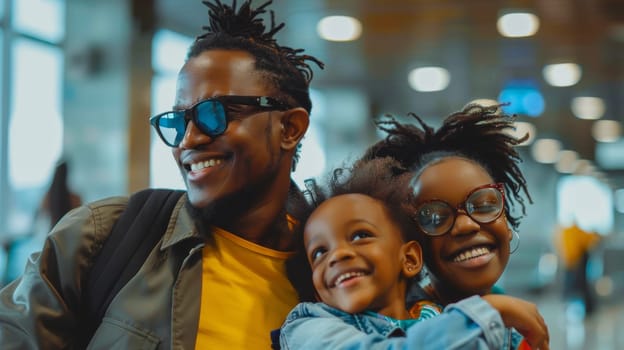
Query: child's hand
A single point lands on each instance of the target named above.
(523, 316)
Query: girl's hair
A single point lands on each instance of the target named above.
(375, 178)
(285, 68)
(478, 133)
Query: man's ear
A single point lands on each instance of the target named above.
(294, 125)
(412, 258)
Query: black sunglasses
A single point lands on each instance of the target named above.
(484, 204)
(210, 116)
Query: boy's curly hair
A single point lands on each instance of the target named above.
(383, 179)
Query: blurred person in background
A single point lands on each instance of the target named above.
(574, 245)
(58, 200)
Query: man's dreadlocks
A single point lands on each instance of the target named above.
(286, 69)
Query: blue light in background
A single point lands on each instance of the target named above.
(524, 98)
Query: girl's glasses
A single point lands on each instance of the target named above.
(210, 116)
(484, 204)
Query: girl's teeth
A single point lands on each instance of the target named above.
(473, 253)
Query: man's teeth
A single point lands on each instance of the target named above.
(205, 164)
(346, 276)
(472, 253)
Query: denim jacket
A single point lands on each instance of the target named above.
(469, 324)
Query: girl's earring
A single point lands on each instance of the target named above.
(515, 237)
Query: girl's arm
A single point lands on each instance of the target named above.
(523, 316)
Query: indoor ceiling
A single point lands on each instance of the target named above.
(460, 35)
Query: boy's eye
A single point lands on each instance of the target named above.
(317, 253)
(361, 234)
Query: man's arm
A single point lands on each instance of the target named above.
(39, 309)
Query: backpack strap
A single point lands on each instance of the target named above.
(275, 339)
(135, 234)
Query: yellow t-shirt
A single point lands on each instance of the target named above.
(245, 294)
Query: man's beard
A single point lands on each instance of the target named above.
(220, 212)
(225, 211)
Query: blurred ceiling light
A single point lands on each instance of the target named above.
(588, 107)
(522, 128)
(339, 28)
(546, 150)
(583, 167)
(619, 200)
(517, 24)
(566, 164)
(429, 79)
(562, 74)
(606, 130)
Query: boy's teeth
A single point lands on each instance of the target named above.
(205, 164)
(348, 275)
(472, 253)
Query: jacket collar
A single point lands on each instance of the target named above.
(181, 226)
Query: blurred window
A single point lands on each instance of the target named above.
(168, 55)
(43, 19)
(31, 123)
(35, 127)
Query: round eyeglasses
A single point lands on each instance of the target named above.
(484, 204)
(210, 116)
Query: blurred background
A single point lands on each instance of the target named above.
(80, 78)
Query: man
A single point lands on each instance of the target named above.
(216, 279)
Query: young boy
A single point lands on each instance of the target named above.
(363, 260)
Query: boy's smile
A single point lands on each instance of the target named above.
(356, 255)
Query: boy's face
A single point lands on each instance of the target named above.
(358, 258)
(248, 155)
(470, 257)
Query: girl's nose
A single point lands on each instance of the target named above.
(464, 225)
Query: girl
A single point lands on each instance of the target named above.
(359, 245)
(465, 180)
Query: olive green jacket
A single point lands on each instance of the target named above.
(157, 309)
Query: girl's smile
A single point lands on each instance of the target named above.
(471, 256)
